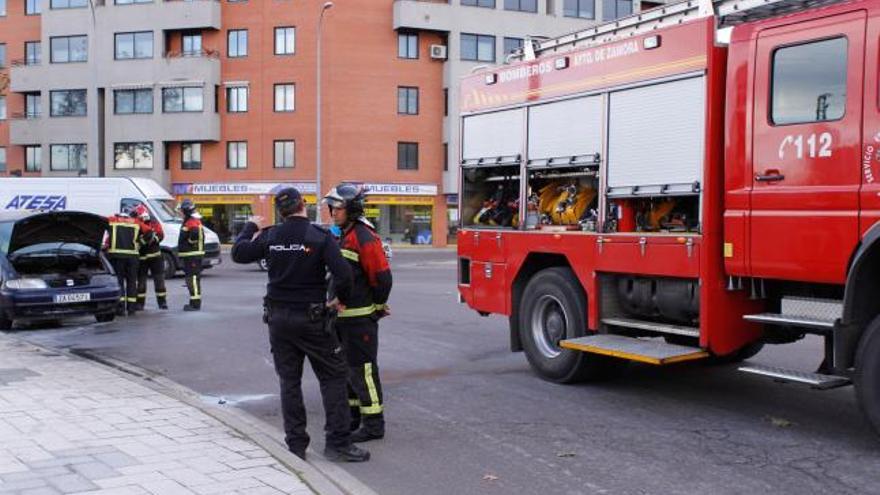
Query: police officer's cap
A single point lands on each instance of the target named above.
(288, 198)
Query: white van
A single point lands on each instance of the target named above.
(106, 196)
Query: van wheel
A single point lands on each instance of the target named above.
(170, 267)
(867, 374)
(554, 308)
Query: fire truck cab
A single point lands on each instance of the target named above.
(647, 190)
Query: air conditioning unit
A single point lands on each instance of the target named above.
(438, 52)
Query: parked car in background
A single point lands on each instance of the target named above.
(52, 267)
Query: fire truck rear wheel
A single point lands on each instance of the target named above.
(867, 374)
(554, 308)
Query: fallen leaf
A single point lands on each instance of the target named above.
(566, 454)
(490, 477)
(780, 422)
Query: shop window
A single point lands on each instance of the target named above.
(407, 156)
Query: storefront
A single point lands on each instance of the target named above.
(404, 213)
(226, 206)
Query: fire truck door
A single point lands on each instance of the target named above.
(807, 148)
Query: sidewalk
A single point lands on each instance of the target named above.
(71, 426)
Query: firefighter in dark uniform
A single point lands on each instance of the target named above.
(358, 324)
(191, 250)
(123, 239)
(151, 263)
(299, 319)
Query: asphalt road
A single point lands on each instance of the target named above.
(465, 416)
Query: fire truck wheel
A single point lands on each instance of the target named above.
(746, 352)
(554, 308)
(867, 373)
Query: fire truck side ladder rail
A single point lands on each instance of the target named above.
(728, 13)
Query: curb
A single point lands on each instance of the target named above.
(320, 475)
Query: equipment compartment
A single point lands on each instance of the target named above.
(490, 192)
(563, 192)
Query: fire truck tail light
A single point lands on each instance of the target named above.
(651, 42)
(561, 63)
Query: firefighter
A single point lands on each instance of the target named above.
(122, 248)
(191, 250)
(151, 263)
(296, 310)
(358, 323)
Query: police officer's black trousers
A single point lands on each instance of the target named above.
(192, 270)
(155, 267)
(126, 268)
(294, 336)
(360, 337)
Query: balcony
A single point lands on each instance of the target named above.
(190, 14)
(430, 15)
(203, 65)
(159, 126)
(25, 129)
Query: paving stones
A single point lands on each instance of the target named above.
(70, 427)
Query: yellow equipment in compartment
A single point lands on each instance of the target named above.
(564, 202)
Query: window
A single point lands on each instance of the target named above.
(32, 52)
(236, 154)
(134, 45)
(285, 40)
(477, 47)
(2, 8)
(809, 82)
(32, 7)
(612, 9)
(66, 49)
(407, 100)
(237, 43)
(128, 101)
(445, 102)
(407, 156)
(585, 9)
(67, 157)
(33, 158)
(284, 154)
(237, 99)
(32, 105)
(2, 55)
(191, 158)
(2, 108)
(192, 45)
(129, 2)
(2, 159)
(68, 103)
(479, 3)
(69, 4)
(184, 99)
(521, 5)
(446, 157)
(511, 45)
(407, 45)
(285, 97)
(133, 155)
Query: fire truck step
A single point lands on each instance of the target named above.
(814, 380)
(653, 327)
(818, 325)
(651, 351)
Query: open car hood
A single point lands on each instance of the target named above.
(60, 226)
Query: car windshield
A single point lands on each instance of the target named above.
(5, 236)
(165, 209)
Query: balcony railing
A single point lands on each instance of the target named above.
(206, 53)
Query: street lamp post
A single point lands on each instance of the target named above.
(318, 191)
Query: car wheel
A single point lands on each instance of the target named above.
(554, 308)
(105, 317)
(264, 264)
(170, 267)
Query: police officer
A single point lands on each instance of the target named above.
(358, 323)
(151, 263)
(123, 238)
(191, 250)
(296, 309)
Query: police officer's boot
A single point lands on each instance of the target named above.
(191, 307)
(372, 428)
(352, 453)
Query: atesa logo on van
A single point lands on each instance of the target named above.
(37, 202)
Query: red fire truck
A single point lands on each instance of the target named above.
(688, 183)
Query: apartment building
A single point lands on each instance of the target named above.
(217, 99)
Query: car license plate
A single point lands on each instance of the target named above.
(73, 298)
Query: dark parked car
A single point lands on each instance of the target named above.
(51, 267)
